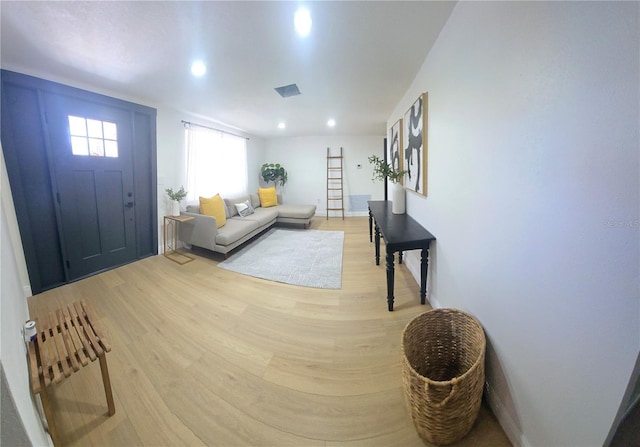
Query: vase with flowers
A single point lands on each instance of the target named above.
(385, 171)
(176, 197)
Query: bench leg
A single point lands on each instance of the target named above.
(107, 383)
(46, 405)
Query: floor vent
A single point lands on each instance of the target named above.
(359, 202)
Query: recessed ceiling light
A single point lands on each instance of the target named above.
(302, 22)
(331, 123)
(198, 68)
(281, 125)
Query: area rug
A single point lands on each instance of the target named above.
(310, 258)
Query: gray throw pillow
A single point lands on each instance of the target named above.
(244, 208)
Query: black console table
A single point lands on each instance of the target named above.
(400, 232)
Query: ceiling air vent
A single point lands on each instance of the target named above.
(288, 90)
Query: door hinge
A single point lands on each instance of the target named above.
(58, 197)
(68, 264)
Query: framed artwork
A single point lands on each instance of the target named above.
(415, 146)
(394, 146)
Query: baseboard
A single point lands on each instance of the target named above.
(413, 264)
(357, 213)
(412, 261)
(511, 429)
(335, 215)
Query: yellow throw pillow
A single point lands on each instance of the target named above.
(214, 207)
(268, 197)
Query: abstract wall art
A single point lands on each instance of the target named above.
(415, 146)
(394, 146)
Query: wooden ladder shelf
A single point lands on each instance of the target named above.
(335, 183)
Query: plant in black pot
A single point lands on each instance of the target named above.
(274, 172)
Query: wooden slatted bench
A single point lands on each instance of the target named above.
(66, 340)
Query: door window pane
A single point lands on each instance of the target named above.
(77, 126)
(93, 137)
(110, 148)
(110, 132)
(96, 147)
(79, 146)
(95, 128)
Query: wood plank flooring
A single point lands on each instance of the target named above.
(204, 356)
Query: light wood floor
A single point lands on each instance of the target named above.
(203, 356)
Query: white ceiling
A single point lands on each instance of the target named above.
(357, 62)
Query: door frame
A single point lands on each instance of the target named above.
(63, 162)
(33, 124)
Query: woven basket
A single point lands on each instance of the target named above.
(443, 373)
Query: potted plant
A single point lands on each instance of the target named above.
(176, 197)
(383, 171)
(274, 172)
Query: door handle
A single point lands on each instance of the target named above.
(128, 205)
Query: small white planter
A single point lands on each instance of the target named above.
(398, 198)
(175, 208)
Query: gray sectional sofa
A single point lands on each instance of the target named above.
(203, 230)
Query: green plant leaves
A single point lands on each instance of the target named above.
(274, 172)
(383, 170)
(176, 195)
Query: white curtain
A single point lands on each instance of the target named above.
(216, 164)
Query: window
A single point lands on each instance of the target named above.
(216, 164)
(93, 138)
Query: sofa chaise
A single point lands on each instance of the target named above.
(203, 230)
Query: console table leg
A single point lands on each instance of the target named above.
(424, 263)
(390, 279)
(377, 244)
(370, 227)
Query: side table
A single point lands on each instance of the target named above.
(171, 239)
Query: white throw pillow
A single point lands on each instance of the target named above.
(244, 208)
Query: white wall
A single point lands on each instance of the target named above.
(13, 313)
(534, 201)
(305, 159)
